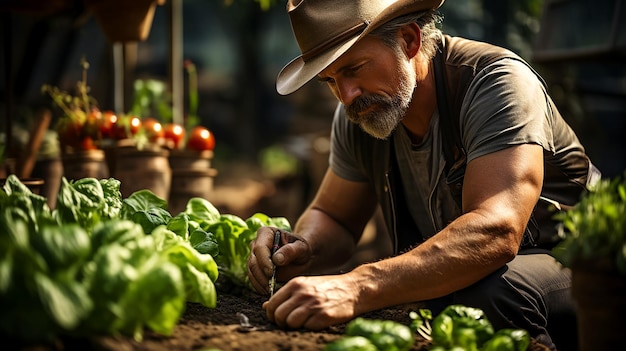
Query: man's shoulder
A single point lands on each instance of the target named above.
(461, 51)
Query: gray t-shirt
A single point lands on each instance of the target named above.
(495, 114)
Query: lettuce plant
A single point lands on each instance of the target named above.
(96, 264)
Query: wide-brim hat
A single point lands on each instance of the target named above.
(326, 29)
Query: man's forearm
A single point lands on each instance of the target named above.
(331, 243)
(455, 258)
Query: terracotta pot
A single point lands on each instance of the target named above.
(33, 184)
(85, 164)
(143, 169)
(189, 183)
(51, 170)
(189, 159)
(124, 20)
(600, 297)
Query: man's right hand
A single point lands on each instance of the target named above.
(293, 258)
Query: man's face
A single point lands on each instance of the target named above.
(375, 83)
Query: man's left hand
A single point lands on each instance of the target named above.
(313, 302)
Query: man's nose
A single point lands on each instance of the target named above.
(348, 90)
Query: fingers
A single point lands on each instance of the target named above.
(293, 257)
(299, 305)
(296, 252)
(288, 310)
(260, 266)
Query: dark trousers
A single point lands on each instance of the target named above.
(532, 292)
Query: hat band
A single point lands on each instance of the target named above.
(350, 32)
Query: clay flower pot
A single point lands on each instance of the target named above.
(147, 168)
(124, 20)
(192, 176)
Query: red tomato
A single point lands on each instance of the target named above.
(153, 129)
(88, 144)
(175, 134)
(107, 124)
(201, 139)
(69, 132)
(127, 127)
(135, 125)
(92, 124)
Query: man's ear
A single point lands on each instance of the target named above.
(412, 39)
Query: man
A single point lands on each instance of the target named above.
(462, 148)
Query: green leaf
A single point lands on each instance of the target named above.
(156, 299)
(202, 211)
(143, 200)
(6, 269)
(594, 230)
(180, 225)
(519, 338)
(62, 248)
(442, 330)
(204, 242)
(147, 209)
(280, 223)
(351, 343)
(182, 254)
(112, 198)
(80, 202)
(116, 231)
(499, 343)
(259, 220)
(199, 286)
(384, 334)
(66, 301)
(151, 218)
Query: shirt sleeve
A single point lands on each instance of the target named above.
(343, 157)
(505, 105)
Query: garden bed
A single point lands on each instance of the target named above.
(203, 328)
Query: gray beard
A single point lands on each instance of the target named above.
(387, 112)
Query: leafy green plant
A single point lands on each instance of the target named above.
(102, 264)
(456, 328)
(232, 234)
(460, 327)
(87, 268)
(594, 230)
(372, 335)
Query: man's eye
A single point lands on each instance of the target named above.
(353, 70)
(326, 80)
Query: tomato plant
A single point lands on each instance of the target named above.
(174, 134)
(153, 129)
(200, 139)
(88, 143)
(127, 127)
(107, 124)
(91, 127)
(69, 132)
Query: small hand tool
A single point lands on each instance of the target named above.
(274, 248)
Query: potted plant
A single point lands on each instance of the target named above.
(190, 157)
(123, 20)
(594, 247)
(78, 130)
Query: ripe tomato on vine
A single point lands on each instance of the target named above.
(200, 139)
(174, 134)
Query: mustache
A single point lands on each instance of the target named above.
(362, 103)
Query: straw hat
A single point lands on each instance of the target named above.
(325, 29)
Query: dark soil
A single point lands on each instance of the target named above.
(203, 328)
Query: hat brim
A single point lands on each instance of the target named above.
(298, 72)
